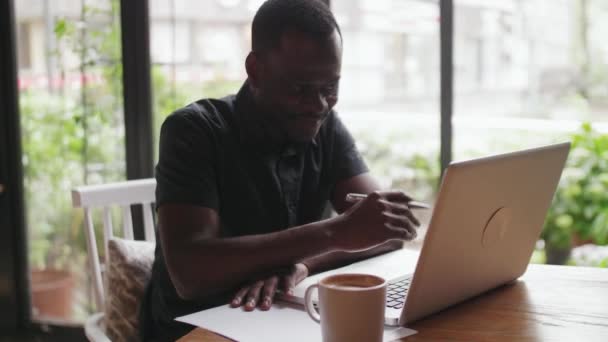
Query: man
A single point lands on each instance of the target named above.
(243, 181)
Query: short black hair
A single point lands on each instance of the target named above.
(275, 17)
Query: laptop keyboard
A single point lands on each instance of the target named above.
(396, 292)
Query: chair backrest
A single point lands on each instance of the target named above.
(106, 196)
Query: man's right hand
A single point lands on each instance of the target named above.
(380, 217)
(261, 292)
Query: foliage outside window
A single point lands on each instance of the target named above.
(580, 207)
(72, 134)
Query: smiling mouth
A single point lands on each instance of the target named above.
(311, 121)
(311, 117)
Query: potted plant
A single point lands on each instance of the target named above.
(57, 258)
(579, 212)
(557, 235)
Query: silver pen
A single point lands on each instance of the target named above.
(352, 198)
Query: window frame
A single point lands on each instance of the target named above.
(13, 240)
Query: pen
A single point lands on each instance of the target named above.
(352, 198)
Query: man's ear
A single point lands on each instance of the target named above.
(252, 65)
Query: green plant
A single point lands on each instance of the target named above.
(51, 154)
(580, 205)
(70, 136)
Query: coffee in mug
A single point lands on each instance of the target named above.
(351, 307)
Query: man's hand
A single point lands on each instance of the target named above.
(261, 292)
(298, 273)
(380, 217)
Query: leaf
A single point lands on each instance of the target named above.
(60, 28)
(564, 221)
(599, 228)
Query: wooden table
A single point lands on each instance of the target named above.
(549, 303)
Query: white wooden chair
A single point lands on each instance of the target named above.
(106, 196)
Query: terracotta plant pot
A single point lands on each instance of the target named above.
(52, 293)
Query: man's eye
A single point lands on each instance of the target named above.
(330, 89)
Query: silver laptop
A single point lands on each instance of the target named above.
(487, 218)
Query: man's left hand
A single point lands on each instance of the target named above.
(261, 292)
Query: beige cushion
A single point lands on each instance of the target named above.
(129, 269)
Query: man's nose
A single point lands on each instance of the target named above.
(315, 103)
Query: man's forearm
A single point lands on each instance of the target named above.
(338, 259)
(226, 262)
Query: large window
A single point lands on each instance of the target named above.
(389, 93)
(70, 93)
(198, 50)
(527, 72)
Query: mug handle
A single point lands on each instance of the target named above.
(310, 307)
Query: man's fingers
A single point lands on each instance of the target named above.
(239, 296)
(270, 288)
(395, 196)
(398, 221)
(301, 272)
(289, 282)
(261, 292)
(402, 209)
(253, 295)
(402, 233)
(298, 272)
(290, 279)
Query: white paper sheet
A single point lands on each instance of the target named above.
(284, 322)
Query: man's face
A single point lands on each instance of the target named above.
(297, 83)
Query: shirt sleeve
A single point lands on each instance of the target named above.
(186, 169)
(348, 162)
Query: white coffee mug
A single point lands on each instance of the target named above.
(351, 307)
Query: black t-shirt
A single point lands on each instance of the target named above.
(220, 154)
